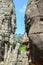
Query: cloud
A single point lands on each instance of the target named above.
(22, 10)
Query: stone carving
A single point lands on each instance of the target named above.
(7, 27)
(34, 29)
(25, 39)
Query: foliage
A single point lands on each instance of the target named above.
(23, 48)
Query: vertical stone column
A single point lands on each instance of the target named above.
(5, 56)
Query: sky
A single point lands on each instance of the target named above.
(20, 7)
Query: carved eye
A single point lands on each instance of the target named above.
(0, 1)
(2, 21)
(41, 19)
(36, 0)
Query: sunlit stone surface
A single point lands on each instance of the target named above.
(34, 29)
(7, 27)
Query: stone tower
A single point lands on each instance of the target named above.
(34, 29)
(7, 27)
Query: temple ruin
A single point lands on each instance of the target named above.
(33, 36)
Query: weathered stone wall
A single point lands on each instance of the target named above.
(34, 29)
(7, 26)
